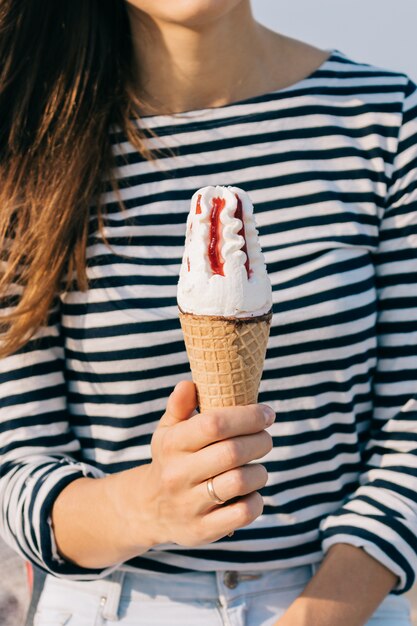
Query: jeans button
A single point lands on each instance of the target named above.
(231, 579)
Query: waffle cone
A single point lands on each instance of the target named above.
(226, 357)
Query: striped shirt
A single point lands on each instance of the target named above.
(331, 166)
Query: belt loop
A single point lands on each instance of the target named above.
(111, 601)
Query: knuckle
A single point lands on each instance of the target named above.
(259, 476)
(212, 426)
(263, 474)
(268, 442)
(258, 504)
(249, 509)
(231, 452)
(244, 512)
(237, 481)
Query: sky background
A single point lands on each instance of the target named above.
(380, 32)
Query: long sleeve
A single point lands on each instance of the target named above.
(39, 454)
(381, 516)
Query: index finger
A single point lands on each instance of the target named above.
(214, 425)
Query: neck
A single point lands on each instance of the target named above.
(181, 68)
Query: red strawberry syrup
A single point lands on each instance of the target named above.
(214, 253)
(198, 207)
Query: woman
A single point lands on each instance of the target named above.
(112, 484)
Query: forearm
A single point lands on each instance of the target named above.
(346, 590)
(90, 521)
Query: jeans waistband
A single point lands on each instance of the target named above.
(218, 586)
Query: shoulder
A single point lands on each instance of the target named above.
(340, 74)
(396, 86)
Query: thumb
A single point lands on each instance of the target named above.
(181, 404)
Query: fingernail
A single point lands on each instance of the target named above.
(269, 415)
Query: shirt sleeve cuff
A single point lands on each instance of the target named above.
(43, 498)
(385, 541)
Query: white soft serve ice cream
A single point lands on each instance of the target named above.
(223, 270)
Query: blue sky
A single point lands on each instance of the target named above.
(381, 32)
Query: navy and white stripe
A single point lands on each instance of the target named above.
(331, 166)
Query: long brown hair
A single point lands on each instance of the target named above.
(66, 75)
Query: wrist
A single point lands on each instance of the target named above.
(131, 507)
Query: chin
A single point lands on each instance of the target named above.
(186, 12)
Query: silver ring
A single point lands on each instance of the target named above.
(213, 495)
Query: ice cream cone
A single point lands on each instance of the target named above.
(224, 297)
(226, 356)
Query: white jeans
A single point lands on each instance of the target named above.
(196, 599)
